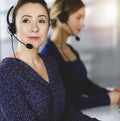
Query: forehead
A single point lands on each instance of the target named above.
(80, 11)
(32, 9)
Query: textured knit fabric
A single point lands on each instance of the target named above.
(26, 96)
(80, 89)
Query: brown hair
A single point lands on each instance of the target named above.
(67, 6)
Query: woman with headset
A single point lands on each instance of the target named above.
(31, 88)
(67, 18)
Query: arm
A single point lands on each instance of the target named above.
(90, 88)
(92, 101)
(94, 89)
(96, 96)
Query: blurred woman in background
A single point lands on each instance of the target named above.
(67, 18)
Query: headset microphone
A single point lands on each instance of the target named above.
(12, 30)
(77, 38)
(28, 45)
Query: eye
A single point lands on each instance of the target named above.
(42, 21)
(78, 17)
(26, 21)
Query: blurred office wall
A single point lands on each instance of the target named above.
(99, 46)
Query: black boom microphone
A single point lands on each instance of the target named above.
(28, 45)
(12, 30)
(77, 38)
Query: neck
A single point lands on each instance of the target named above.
(27, 55)
(59, 37)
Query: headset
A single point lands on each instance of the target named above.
(11, 26)
(63, 17)
(12, 29)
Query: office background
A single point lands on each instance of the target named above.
(99, 46)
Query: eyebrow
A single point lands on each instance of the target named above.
(31, 16)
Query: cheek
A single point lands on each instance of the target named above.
(20, 30)
(72, 25)
(45, 30)
(72, 22)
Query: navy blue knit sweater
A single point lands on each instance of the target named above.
(25, 96)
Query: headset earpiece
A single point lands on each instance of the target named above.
(63, 16)
(11, 26)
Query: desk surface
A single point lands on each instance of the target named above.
(105, 113)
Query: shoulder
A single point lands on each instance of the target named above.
(73, 49)
(7, 70)
(48, 47)
(5, 66)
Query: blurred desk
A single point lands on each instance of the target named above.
(105, 113)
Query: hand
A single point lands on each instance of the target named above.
(117, 89)
(114, 97)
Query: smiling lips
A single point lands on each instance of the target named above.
(33, 37)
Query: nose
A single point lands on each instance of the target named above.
(82, 23)
(35, 27)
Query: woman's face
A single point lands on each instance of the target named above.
(76, 21)
(32, 24)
